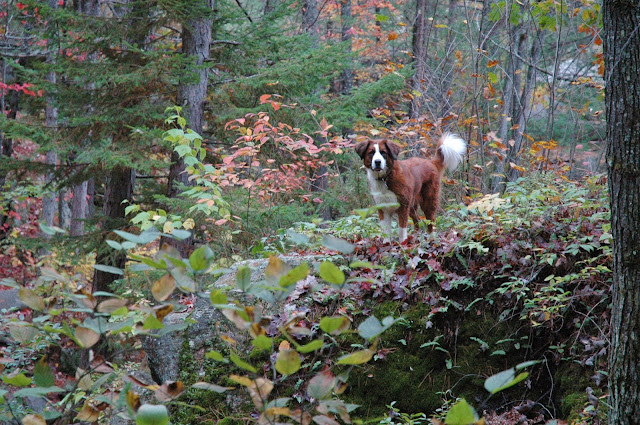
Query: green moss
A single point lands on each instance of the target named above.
(423, 362)
(229, 421)
(571, 382)
(206, 407)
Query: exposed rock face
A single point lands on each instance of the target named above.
(10, 298)
(163, 353)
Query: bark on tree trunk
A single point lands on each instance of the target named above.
(310, 17)
(319, 181)
(510, 92)
(269, 7)
(91, 197)
(525, 107)
(419, 49)
(51, 121)
(51, 159)
(9, 107)
(64, 208)
(445, 105)
(621, 37)
(196, 42)
(80, 203)
(118, 187)
(347, 74)
(119, 181)
(78, 209)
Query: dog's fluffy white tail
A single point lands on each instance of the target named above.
(452, 148)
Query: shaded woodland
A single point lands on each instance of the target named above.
(172, 168)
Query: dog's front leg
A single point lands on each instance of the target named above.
(403, 222)
(385, 223)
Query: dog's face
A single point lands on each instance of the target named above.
(378, 155)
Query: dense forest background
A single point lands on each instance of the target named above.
(149, 145)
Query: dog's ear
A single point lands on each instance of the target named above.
(394, 148)
(361, 148)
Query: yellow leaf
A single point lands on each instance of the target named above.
(133, 400)
(84, 379)
(288, 362)
(242, 380)
(275, 269)
(236, 318)
(517, 167)
(169, 390)
(284, 345)
(162, 311)
(358, 357)
(163, 287)
(31, 299)
(33, 420)
(88, 413)
(86, 337)
(111, 305)
(260, 391)
(228, 339)
(167, 227)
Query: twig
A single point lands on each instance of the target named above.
(245, 12)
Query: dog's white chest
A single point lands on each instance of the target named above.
(379, 190)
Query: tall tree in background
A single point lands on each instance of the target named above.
(346, 19)
(8, 107)
(51, 122)
(120, 179)
(419, 51)
(621, 22)
(192, 93)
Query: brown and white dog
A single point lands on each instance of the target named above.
(412, 183)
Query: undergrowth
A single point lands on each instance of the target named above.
(538, 257)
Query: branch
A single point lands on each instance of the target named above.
(527, 62)
(235, 43)
(245, 12)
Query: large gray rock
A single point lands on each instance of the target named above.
(207, 323)
(10, 298)
(259, 266)
(163, 353)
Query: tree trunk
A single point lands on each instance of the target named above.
(51, 159)
(447, 80)
(78, 209)
(621, 37)
(319, 181)
(119, 181)
(525, 106)
(64, 208)
(310, 17)
(10, 108)
(196, 42)
(118, 188)
(419, 50)
(509, 94)
(269, 7)
(80, 204)
(91, 197)
(347, 75)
